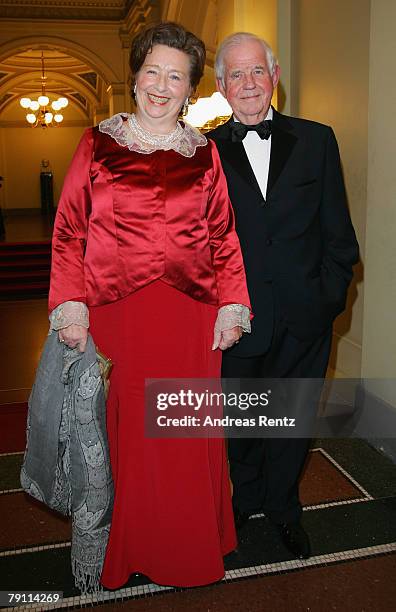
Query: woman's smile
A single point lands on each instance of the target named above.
(154, 99)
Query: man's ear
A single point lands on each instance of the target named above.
(275, 76)
(220, 87)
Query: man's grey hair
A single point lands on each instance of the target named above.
(238, 39)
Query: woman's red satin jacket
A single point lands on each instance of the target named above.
(126, 219)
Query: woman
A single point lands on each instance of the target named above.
(144, 238)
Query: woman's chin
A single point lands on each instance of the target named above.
(160, 114)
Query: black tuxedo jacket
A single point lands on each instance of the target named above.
(298, 245)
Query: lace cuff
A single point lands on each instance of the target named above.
(231, 315)
(67, 313)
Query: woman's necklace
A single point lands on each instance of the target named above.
(156, 140)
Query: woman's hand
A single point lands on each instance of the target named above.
(74, 336)
(227, 338)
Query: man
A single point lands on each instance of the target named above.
(286, 187)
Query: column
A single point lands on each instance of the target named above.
(125, 38)
(379, 314)
(117, 102)
(100, 113)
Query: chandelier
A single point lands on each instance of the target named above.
(42, 114)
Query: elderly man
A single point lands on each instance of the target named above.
(285, 184)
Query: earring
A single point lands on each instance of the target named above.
(134, 89)
(185, 106)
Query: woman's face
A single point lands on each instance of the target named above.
(162, 86)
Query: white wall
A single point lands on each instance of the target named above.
(331, 55)
(23, 149)
(379, 337)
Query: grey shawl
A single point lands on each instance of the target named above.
(66, 463)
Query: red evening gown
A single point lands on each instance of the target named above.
(125, 220)
(172, 518)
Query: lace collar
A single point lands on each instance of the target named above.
(122, 130)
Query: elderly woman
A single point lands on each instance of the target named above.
(144, 243)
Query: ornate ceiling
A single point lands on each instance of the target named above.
(66, 76)
(71, 33)
(108, 10)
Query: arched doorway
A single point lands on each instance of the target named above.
(71, 71)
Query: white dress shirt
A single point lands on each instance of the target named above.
(258, 152)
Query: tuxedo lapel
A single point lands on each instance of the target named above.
(282, 144)
(235, 155)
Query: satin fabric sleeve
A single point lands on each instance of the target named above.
(71, 227)
(224, 243)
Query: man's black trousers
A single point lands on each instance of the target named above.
(265, 471)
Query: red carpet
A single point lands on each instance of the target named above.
(24, 269)
(13, 427)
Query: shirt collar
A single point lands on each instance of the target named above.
(268, 117)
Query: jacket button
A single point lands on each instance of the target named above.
(268, 242)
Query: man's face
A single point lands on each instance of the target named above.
(248, 84)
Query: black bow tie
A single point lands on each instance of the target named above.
(239, 130)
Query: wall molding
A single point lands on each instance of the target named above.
(369, 403)
(346, 356)
(65, 124)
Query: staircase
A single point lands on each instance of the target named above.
(24, 269)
